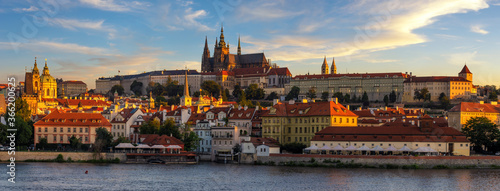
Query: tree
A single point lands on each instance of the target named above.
(169, 128)
(243, 100)
(272, 96)
(224, 95)
(226, 91)
(393, 97)
(211, 87)
(22, 109)
(324, 96)
(254, 92)
(75, 143)
(481, 132)
(103, 139)
(160, 100)
(417, 95)
(117, 88)
(354, 99)
(120, 140)
(293, 94)
(444, 100)
(311, 93)
(493, 96)
(42, 143)
(426, 96)
(150, 127)
(339, 96)
(365, 100)
(386, 100)
(24, 131)
(294, 147)
(347, 98)
(237, 91)
(136, 87)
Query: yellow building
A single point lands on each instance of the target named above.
(454, 87)
(290, 122)
(461, 113)
(410, 135)
(48, 84)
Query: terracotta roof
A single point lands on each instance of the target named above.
(57, 118)
(242, 113)
(310, 109)
(364, 113)
(197, 116)
(395, 132)
(261, 71)
(357, 75)
(475, 107)
(154, 139)
(465, 70)
(256, 141)
(126, 114)
(435, 79)
(73, 82)
(280, 71)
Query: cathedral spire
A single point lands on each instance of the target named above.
(46, 69)
(324, 67)
(222, 43)
(206, 51)
(239, 46)
(334, 67)
(216, 43)
(35, 68)
(186, 86)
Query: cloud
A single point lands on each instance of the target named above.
(48, 46)
(182, 18)
(73, 24)
(30, 9)
(478, 29)
(265, 11)
(116, 6)
(464, 57)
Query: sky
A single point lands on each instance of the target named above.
(88, 39)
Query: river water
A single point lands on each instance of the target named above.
(211, 176)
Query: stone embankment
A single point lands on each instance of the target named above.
(75, 156)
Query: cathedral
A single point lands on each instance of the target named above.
(324, 67)
(223, 60)
(44, 86)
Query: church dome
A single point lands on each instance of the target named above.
(47, 79)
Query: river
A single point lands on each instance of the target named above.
(211, 176)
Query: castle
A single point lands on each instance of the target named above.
(223, 60)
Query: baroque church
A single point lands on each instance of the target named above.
(44, 86)
(223, 60)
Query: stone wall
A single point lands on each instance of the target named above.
(24, 155)
(421, 161)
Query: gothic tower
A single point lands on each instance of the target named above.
(334, 67)
(324, 67)
(220, 52)
(239, 46)
(186, 99)
(205, 58)
(35, 78)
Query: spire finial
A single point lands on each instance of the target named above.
(239, 46)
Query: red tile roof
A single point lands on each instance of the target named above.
(256, 141)
(154, 139)
(435, 79)
(476, 107)
(280, 71)
(310, 109)
(465, 70)
(57, 118)
(73, 82)
(242, 113)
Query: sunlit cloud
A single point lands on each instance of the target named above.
(181, 19)
(74, 24)
(50, 46)
(30, 9)
(478, 29)
(265, 11)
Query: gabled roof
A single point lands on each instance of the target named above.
(256, 141)
(154, 139)
(241, 113)
(280, 71)
(57, 118)
(465, 70)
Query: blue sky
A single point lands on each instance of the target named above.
(87, 39)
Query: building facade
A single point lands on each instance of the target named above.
(71, 88)
(290, 122)
(461, 113)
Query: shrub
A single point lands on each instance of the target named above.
(59, 158)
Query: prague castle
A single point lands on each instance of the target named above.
(223, 60)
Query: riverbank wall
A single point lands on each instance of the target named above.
(381, 161)
(75, 156)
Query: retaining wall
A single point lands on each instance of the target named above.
(421, 161)
(24, 155)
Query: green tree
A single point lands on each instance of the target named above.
(386, 100)
(365, 100)
(272, 96)
(481, 132)
(324, 96)
(294, 147)
(354, 99)
(150, 127)
(347, 98)
(211, 87)
(339, 96)
(169, 128)
(493, 96)
(136, 87)
(393, 97)
(103, 139)
(444, 100)
(293, 94)
(22, 110)
(42, 143)
(254, 92)
(226, 91)
(225, 94)
(75, 143)
(426, 96)
(24, 132)
(237, 91)
(160, 100)
(311, 93)
(243, 100)
(117, 88)
(417, 95)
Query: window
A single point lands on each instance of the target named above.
(466, 145)
(428, 145)
(86, 139)
(46, 129)
(461, 145)
(40, 129)
(439, 144)
(355, 144)
(81, 130)
(55, 129)
(416, 145)
(300, 139)
(289, 139)
(55, 138)
(405, 144)
(69, 129)
(61, 130)
(289, 130)
(86, 130)
(74, 130)
(61, 138)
